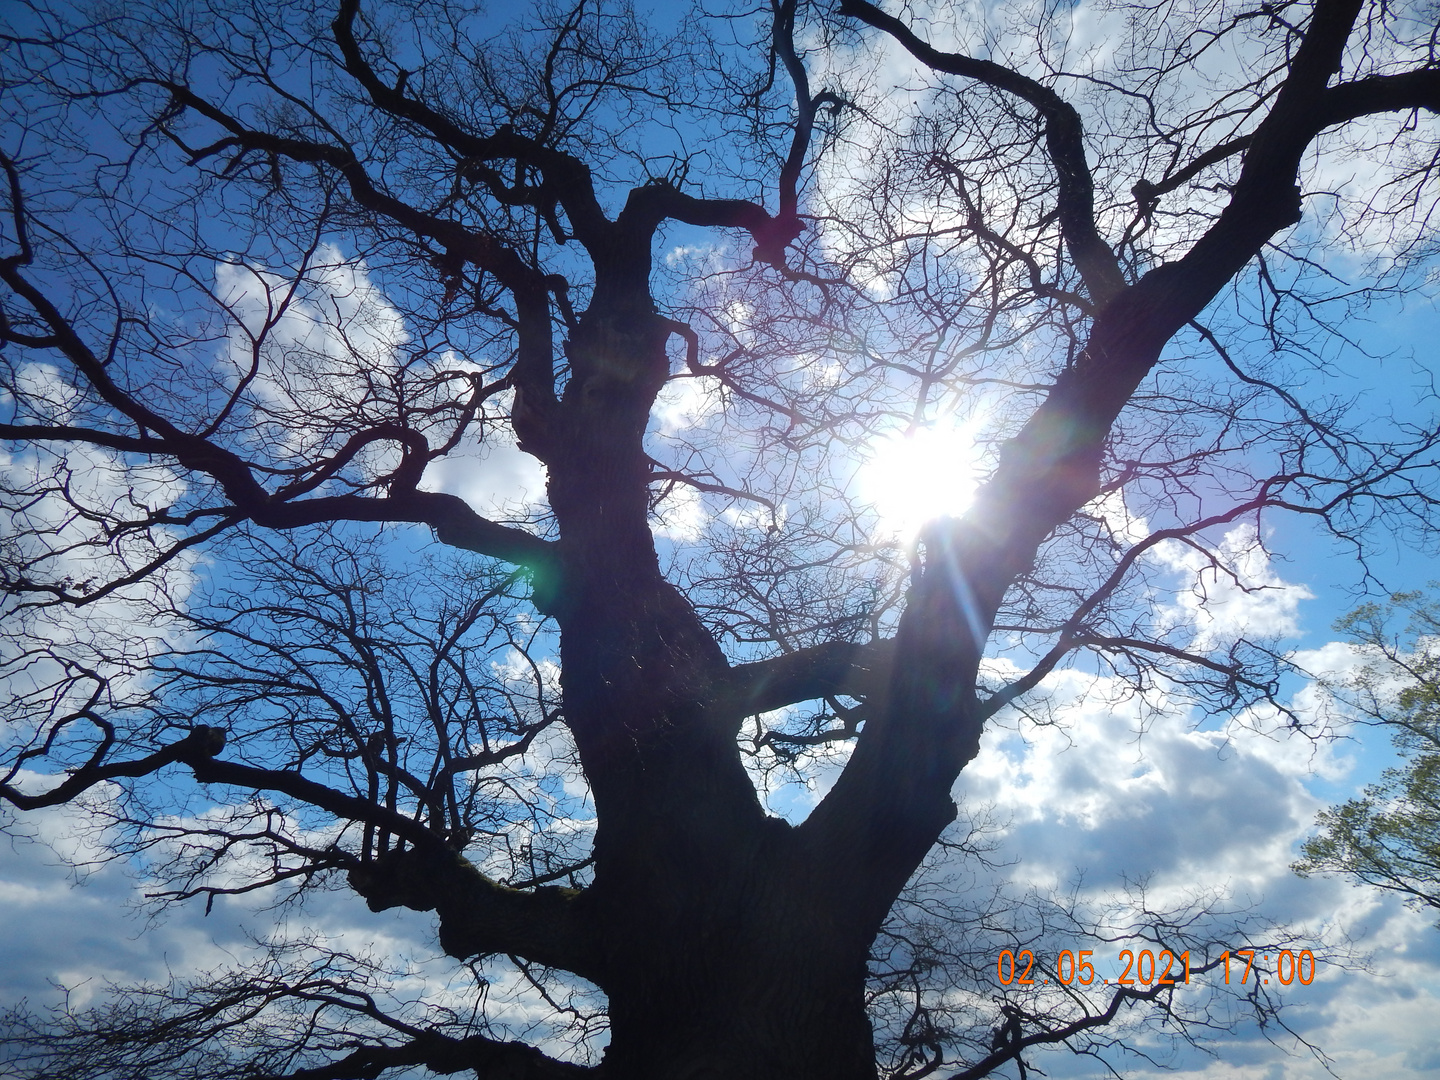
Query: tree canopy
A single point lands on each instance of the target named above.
(1390, 837)
(303, 305)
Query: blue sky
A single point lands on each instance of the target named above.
(1116, 791)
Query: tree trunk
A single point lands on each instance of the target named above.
(723, 962)
(719, 957)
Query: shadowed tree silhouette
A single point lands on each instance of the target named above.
(283, 283)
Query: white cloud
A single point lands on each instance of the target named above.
(681, 516)
(497, 479)
(754, 516)
(682, 254)
(1232, 590)
(63, 529)
(316, 341)
(84, 935)
(687, 401)
(1090, 792)
(1190, 810)
(1123, 788)
(81, 934)
(1114, 512)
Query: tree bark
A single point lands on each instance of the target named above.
(727, 961)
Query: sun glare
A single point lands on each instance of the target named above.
(915, 478)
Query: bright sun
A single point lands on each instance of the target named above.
(912, 479)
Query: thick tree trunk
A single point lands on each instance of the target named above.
(726, 951)
(727, 964)
(770, 1024)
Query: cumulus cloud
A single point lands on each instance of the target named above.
(80, 929)
(497, 479)
(685, 405)
(1231, 590)
(319, 345)
(1112, 510)
(686, 402)
(1093, 793)
(66, 527)
(1186, 810)
(1121, 788)
(681, 515)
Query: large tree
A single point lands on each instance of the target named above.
(275, 277)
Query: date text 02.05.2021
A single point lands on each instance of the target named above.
(1146, 967)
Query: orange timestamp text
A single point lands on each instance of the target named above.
(1147, 967)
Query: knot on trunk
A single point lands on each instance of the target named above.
(402, 877)
(201, 744)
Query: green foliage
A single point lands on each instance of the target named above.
(1390, 837)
